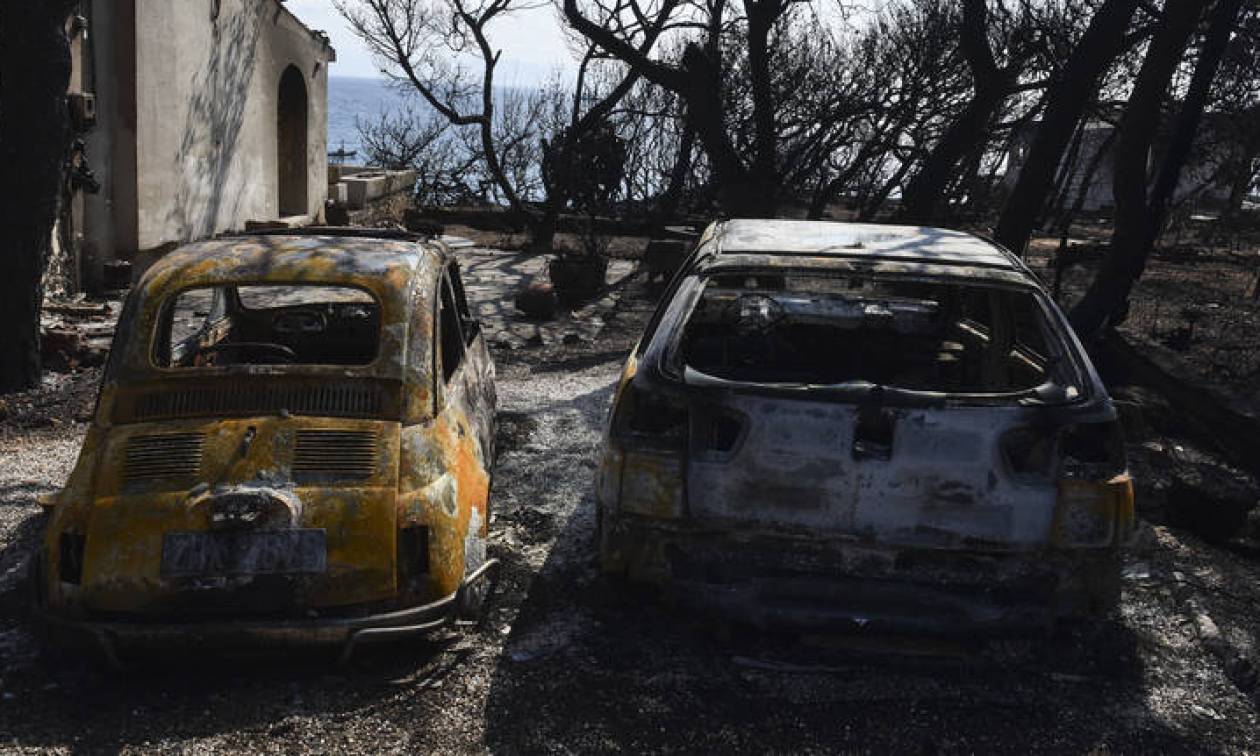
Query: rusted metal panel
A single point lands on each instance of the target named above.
(127, 521)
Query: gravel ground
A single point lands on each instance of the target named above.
(565, 663)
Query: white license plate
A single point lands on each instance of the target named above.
(244, 552)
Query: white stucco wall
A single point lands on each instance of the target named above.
(206, 98)
(1202, 168)
(106, 213)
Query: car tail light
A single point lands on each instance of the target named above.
(1095, 502)
(1095, 513)
(413, 556)
(651, 431)
(413, 547)
(652, 484)
(648, 420)
(70, 557)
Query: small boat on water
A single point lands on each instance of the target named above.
(341, 154)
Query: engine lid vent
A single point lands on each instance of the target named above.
(163, 455)
(330, 399)
(334, 455)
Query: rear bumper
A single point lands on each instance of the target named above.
(835, 584)
(114, 635)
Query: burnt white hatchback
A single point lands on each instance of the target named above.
(860, 426)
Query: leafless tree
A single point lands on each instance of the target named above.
(442, 49)
(992, 82)
(748, 181)
(447, 173)
(401, 139)
(1141, 215)
(600, 86)
(1236, 100)
(432, 45)
(906, 84)
(1067, 99)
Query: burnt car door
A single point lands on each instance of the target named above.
(461, 427)
(478, 374)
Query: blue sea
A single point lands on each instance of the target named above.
(350, 98)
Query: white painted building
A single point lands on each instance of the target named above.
(1202, 176)
(208, 114)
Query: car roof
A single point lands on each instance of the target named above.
(317, 257)
(823, 240)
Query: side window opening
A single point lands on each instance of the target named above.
(468, 324)
(667, 296)
(451, 339)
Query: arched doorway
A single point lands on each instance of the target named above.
(291, 142)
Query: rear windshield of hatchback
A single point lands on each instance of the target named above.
(829, 330)
(268, 324)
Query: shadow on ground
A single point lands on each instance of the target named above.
(63, 698)
(595, 667)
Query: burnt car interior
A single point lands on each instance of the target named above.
(268, 325)
(810, 329)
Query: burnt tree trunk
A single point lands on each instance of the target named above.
(738, 189)
(829, 189)
(927, 189)
(667, 205)
(762, 15)
(926, 193)
(744, 188)
(34, 139)
(1067, 172)
(1065, 105)
(741, 190)
(1139, 219)
(542, 227)
(872, 206)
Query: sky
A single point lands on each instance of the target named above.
(532, 42)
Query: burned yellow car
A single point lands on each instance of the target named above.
(292, 442)
(864, 427)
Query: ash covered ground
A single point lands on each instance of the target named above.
(567, 663)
